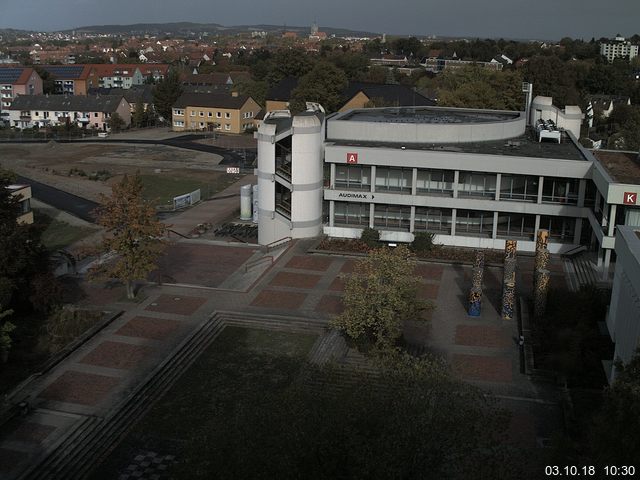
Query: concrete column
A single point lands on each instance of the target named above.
(332, 179)
(372, 211)
(612, 220)
(498, 181)
(607, 263)
(456, 179)
(540, 186)
(582, 190)
(453, 221)
(412, 220)
(578, 231)
(494, 233)
(600, 255)
(414, 181)
(332, 211)
(373, 178)
(537, 226)
(605, 219)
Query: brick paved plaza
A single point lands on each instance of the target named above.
(105, 370)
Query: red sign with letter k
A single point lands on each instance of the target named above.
(630, 198)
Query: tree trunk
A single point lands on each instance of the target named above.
(131, 294)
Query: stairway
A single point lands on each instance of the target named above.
(581, 271)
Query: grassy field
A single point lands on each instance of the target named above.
(57, 234)
(161, 189)
(240, 362)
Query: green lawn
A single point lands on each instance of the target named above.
(239, 363)
(162, 188)
(58, 234)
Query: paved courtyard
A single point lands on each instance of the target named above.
(101, 374)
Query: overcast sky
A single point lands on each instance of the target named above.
(545, 19)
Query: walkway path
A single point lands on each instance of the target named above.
(73, 405)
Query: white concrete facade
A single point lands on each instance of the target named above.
(623, 318)
(487, 179)
(290, 175)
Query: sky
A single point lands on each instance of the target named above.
(521, 19)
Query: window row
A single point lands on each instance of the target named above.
(476, 223)
(470, 184)
(209, 114)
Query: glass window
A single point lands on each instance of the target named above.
(476, 184)
(433, 220)
(394, 179)
(394, 217)
(353, 177)
(474, 222)
(561, 229)
(519, 187)
(435, 182)
(227, 115)
(351, 213)
(560, 190)
(516, 225)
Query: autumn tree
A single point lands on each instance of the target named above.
(133, 234)
(379, 296)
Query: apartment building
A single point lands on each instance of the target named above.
(16, 81)
(229, 113)
(72, 79)
(85, 111)
(618, 48)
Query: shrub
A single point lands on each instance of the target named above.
(66, 325)
(422, 242)
(371, 237)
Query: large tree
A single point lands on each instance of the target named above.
(379, 296)
(615, 438)
(477, 87)
(22, 257)
(413, 421)
(133, 234)
(165, 94)
(325, 84)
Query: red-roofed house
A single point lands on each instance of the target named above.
(16, 81)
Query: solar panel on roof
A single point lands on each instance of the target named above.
(10, 75)
(65, 71)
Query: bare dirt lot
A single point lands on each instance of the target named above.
(88, 170)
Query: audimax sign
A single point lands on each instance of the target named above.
(361, 196)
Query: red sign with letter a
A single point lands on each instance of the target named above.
(352, 158)
(630, 198)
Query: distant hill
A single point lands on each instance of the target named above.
(190, 28)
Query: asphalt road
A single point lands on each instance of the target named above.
(78, 206)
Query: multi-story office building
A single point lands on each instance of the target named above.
(618, 48)
(472, 177)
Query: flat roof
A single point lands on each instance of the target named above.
(522, 146)
(427, 115)
(623, 167)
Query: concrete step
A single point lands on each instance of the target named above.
(76, 457)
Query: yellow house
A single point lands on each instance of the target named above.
(23, 192)
(223, 112)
